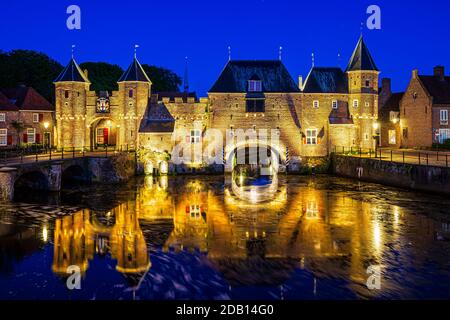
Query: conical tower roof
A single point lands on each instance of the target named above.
(134, 73)
(72, 73)
(361, 59)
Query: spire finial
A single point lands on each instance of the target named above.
(339, 59)
(229, 53)
(362, 28)
(73, 50)
(313, 59)
(135, 50)
(186, 79)
(280, 53)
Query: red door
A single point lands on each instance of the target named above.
(105, 135)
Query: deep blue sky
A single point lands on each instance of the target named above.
(415, 34)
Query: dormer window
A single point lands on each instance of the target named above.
(254, 86)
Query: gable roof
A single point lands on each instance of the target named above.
(5, 105)
(134, 73)
(326, 80)
(158, 120)
(272, 73)
(361, 58)
(392, 104)
(26, 98)
(438, 88)
(72, 73)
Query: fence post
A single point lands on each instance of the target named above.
(392, 156)
(427, 158)
(403, 157)
(106, 152)
(62, 153)
(360, 152)
(419, 160)
(73, 152)
(36, 150)
(83, 152)
(50, 154)
(446, 161)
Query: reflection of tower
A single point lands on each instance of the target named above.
(73, 242)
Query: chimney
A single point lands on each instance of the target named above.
(386, 86)
(300, 82)
(415, 73)
(439, 72)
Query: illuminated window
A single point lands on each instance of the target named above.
(195, 136)
(35, 117)
(312, 210)
(392, 137)
(2, 117)
(195, 211)
(334, 104)
(355, 103)
(3, 137)
(311, 136)
(316, 104)
(254, 86)
(31, 135)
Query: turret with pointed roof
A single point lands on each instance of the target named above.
(72, 73)
(134, 73)
(361, 59)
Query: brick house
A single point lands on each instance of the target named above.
(24, 105)
(389, 116)
(424, 110)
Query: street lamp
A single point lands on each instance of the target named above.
(46, 125)
(376, 136)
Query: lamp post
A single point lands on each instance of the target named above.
(376, 136)
(46, 126)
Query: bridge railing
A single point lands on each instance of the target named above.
(26, 155)
(417, 157)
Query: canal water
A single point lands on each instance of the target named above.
(209, 238)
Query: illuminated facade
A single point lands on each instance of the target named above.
(331, 108)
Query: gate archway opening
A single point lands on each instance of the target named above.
(103, 132)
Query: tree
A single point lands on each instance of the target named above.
(163, 79)
(18, 127)
(31, 68)
(102, 75)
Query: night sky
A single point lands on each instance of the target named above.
(414, 34)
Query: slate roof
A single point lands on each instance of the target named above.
(73, 73)
(361, 58)
(158, 120)
(272, 73)
(392, 104)
(134, 73)
(326, 80)
(438, 88)
(26, 98)
(5, 105)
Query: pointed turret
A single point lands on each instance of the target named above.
(72, 73)
(134, 73)
(361, 59)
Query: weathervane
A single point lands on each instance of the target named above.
(72, 50)
(135, 50)
(186, 79)
(229, 53)
(362, 28)
(280, 53)
(339, 59)
(312, 58)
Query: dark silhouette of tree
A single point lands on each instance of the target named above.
(31, 68)
(102, 75)
(164, 80)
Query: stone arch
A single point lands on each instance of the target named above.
(110, 132)
(32, 179)
(74, 173)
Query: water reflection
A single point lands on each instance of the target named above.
(309, 237)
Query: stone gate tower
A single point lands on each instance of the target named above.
(362, 75)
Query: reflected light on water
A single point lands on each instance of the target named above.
(45, 234)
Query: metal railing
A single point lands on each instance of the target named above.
(426, 158)
(27, 155)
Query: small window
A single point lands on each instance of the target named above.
(367, 83)
(255, 105)
(444, 117)
(66, 94)
(311, 136)
(366, 137)
(3, 137)
(195, 136)
(316, 104)
(35, 117)
(254, 86)
(31, 136)
(334, 104)
(130, 93)
(405, 133)
(355, 103)
(2, 117)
